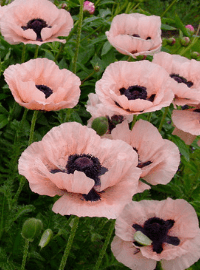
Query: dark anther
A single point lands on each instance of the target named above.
(92, 196)
(152, 98)
(196, 110)
(157, 229)
(45, 89)
(185, 107)
(56, 171)
(180, 79)
(114, 120)
(143, 164)
(135, 35)
(148, 38)
(37, 25)
(134, 92)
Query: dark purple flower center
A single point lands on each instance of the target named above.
(37, 25)
(196, 110)
(157, 229)
(136, 92)
(180, 79)
(136, 35)
(44, 89)
(92, 168)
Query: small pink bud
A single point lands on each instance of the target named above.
(195, 55)
(190, 28)
(89, 7)
(171, 41)
(64, 6)
(141, 57)
(185, 41)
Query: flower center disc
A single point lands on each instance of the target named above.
(180, 79)
(37, 25)
(83, 162)
(157, 229)
(134, 92)
(45, 89)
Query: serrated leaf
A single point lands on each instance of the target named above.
(106, 48)
(180, 25)
(183, 148)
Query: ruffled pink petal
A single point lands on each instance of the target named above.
(126, 253)
(187, 121)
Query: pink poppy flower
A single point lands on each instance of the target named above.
(186, 75)
(134, 87)
(34, 22)
(135, 34)
(172, 227)
(94, 176)
(187, 123)
(97, 109)
(39, 84)
(157, 157)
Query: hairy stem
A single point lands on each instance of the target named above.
(163, 119)
(25, 254)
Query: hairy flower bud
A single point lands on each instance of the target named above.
(190, 28)
(185, 41)
(31, 228)
(195, 55)
(171, 41)
(46, 238)
(100, 125)
(89, 7)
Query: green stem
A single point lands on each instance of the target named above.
(36, 51)
(134, 121)
(63, 44)
(69, 244)
(34, 118)
(105, 245)
(149, 116)
(168, 8)
(88, 76)
(2, 217)
(163, 119)
(25, 254)
(159, 266)
(80, 21)
(23, 53)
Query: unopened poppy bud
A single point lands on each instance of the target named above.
(141, 57)
(171, 41)
(96, 68)
(194, 55)
(31, 228)
(190, 28)
(142, 239)
(100, 125)
(89, 7)
(46, 238)
(64, 6)
(185, 41)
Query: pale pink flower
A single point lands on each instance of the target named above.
(39, 84)
(34, 22)
(171, 225)
(89, 6)
(186, 75)
(135, 34)
(94, 176)
(134, 87)
(157, 157)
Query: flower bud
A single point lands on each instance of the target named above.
(89, 7)
(45, 238)
(195, 55)
(100, 125)
(141, 57)
(171, 41)
(142, 239)
(190, 28)
(31, 228)
(185, 41)
(96, 68)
